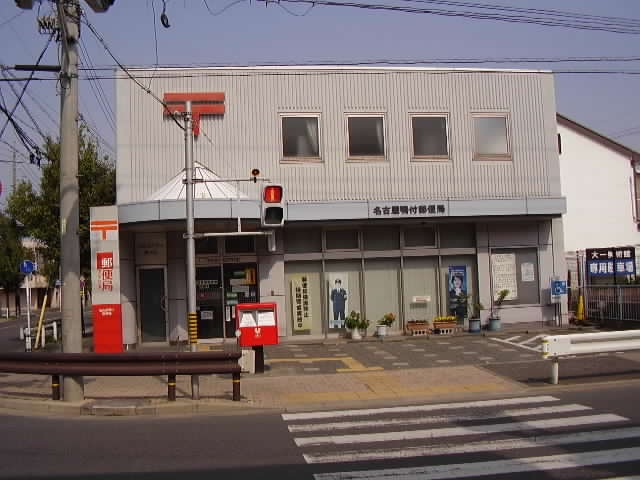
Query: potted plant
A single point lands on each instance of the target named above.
(352, 323)
(474, 316)
(496, 304)
(384, 323)
(363, 326)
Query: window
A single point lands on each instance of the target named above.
(516, 269)
(302, 240)
(430, 136)
(419, 237)
(381, 238)
(300, 138)
(239, 245)
(491, 137)
(366, 136)
(342, 240)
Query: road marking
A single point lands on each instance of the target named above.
(297, 428)
(533, 339)
(521, 345)
(512, 338)
(494, 468)
(418, 408)
(459, 431)
(476, 447)
(351, 364)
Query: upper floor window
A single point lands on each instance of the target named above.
(491, 137)
(366, 137)
(300, 138)
(430, 137)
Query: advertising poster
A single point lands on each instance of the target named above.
(504, 274)
(301, 304)
(457, 290)
(338, 288)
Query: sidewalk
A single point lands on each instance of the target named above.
(338, 380)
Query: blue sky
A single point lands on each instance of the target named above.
(255, 33)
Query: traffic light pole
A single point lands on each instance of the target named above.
(192, 316)
(69, 21)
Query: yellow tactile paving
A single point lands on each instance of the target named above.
(351, 364)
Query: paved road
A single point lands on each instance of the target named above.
(586, 433)
(564, 435)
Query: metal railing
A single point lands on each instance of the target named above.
(556, 346)
(124, 364)
(611, 303)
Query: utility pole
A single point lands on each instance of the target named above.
(69, 21)
(14, 173)
(192, 316)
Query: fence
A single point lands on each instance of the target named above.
(618, 304)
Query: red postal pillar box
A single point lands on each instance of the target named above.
(257, 324)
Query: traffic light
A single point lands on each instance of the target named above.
(272, 208)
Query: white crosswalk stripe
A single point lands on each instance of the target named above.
(475, 427)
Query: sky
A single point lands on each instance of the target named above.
(242, 32)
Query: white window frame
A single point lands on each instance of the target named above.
(422, 158)
(492, 156)
(367, 158)
(301, 158)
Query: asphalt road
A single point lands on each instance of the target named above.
(590, 432)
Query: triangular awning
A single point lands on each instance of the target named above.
(208, 186)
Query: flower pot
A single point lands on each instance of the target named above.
(355, 334)
(381, 330)
(474, 325)
(494, 324)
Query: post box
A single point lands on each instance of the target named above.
(257, 324)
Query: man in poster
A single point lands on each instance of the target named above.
(338, 299)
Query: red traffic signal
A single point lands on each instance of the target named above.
(272, 194)
(272, 208)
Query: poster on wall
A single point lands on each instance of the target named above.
(301, 304)
(504, 274)
(527, 272)
(457, 290)
(338, 288)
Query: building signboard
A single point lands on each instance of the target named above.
(612, 261)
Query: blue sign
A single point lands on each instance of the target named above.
(558, 287)
(615, 261)
(27, 267)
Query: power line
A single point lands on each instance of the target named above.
(98, 91)
(546, 19)
(25, 85)
(124, 69)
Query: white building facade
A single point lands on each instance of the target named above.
(396, 181)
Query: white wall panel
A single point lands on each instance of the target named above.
(151, 148)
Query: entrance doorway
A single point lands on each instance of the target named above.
(152, 307)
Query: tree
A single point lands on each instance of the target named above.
(11, 254)
(39, 211)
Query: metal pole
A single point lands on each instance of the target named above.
(554, 371)
(28, 333)
(192, 317)
(69, 21)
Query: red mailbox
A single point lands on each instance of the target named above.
(257, 324)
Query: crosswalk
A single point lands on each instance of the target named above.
(501, 436)
(533, 343)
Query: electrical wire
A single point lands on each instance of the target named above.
(543, 20)
(19, 99)
(126, 71)
(36, 126)
(292, 13)
(12, 18)
(223, 9)
(98, 91)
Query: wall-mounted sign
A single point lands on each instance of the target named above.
(504, 274)
(301, 303)
(406, 209)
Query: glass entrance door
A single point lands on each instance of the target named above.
(152, 304)
(209, 302)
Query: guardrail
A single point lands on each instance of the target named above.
(556, 346)
(51, 326)
(124, 364)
